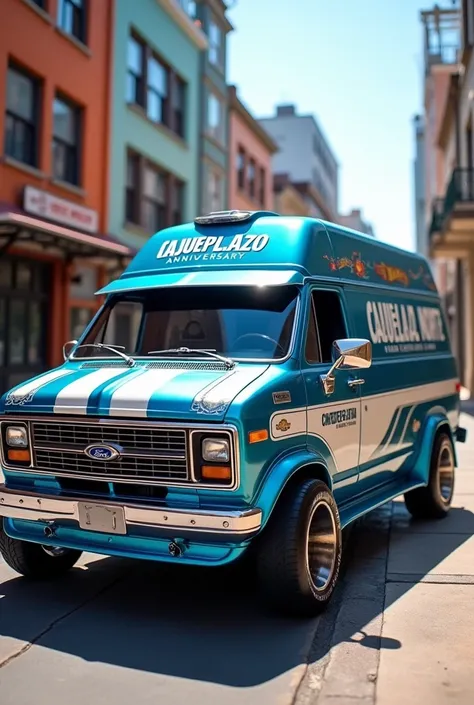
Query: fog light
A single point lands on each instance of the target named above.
(216, 472)
(19, 456)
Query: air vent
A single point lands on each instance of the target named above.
(98, 364)
(185, 365)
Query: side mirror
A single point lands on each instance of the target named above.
(347, 354)
(68, 348)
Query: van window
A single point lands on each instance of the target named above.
(328, 327)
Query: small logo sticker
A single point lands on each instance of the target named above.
(283, 425)
(281, 397)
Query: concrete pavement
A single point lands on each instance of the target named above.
(399, 629)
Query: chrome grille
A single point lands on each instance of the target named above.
(149, 454)
(127, 468)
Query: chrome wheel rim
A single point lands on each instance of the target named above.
(54, 551)
(321, 546)
(446, 472)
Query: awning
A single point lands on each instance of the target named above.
(17, 227)
(214, 277)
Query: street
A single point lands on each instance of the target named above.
(398, 630)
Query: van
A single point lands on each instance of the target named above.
(252, 384)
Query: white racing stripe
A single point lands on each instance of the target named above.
(133, 397)
(35, 384)
(74, 397)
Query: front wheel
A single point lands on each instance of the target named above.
(434, 500)
(34, 560)
(300, 551)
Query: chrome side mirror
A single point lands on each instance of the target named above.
(68, 348)
(347, 354)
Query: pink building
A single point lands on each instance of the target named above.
(250, 159)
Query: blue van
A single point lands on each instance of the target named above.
(252, 381)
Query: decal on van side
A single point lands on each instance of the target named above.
(388, 273)
(196, 249)
(404, 328)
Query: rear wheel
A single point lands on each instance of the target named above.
(300, 551)
(34, 560)
(434, 500)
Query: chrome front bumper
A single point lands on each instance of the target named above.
(16, 504)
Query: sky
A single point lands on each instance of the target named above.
(358, 66)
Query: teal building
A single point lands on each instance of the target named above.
(155, 134)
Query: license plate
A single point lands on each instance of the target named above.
(102, 517)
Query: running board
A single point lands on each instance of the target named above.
(355, 508)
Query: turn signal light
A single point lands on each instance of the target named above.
(458, 387)
(216, 472)
(258, 436)
(19, 456)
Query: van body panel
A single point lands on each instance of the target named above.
(369, 437)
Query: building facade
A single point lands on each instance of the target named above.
(154, 162)
(250, 178)
(54, 120)
(210, 16)
(451, 223)
(355, 221)
(419, 188)
(287, 199)
(305, 157)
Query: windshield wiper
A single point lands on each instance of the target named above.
(114, 348)
(226, 360)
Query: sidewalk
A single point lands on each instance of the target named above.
(403, 629)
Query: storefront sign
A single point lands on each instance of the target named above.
(61, 211)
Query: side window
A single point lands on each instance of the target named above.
(328, 327)
(330, 321)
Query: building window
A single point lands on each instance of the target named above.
(189, 6)
(72, 18)
(157, 91)
(178, 105)
(21, 125)
(252, 171)
(214, 193)
(155, 87)
(177, 195)
(216, 54)
(135, 72)
(66, 135)
(215, 117)
(261, 186)
(241, 168)
(154, 197)
(132, 204)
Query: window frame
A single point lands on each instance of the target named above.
(84, 16)
(173, 118)
(216, 50)
(218, 134)
(339, 292)
(35, 123)
(78, 112)
(173, 187)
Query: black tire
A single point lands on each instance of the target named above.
(33, 561)
(434, 500)
(284, 558)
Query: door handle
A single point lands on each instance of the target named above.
(355, 382)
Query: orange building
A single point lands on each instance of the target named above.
(250, 159)
(54, 103)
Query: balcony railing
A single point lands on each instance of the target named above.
(459, 191)
(437, 217)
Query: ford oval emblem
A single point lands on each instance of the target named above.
(102, 451)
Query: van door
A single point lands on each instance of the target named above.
(334, 420)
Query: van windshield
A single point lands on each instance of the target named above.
(238, 322)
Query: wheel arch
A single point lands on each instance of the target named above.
(435, 424)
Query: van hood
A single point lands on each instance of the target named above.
(164, 390)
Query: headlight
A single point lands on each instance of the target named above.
(215, 450)
(16, 437)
